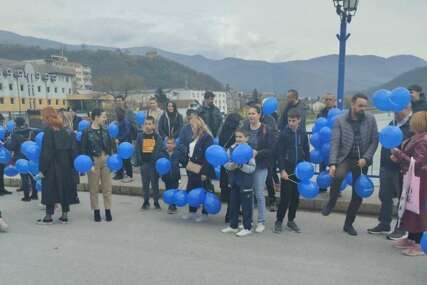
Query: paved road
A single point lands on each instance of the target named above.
(155, 248)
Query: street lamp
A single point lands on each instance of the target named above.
(346, 9)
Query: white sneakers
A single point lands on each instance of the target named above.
(188, 216)
(229, 230)
(127, 179)
(3, 226)
(243, 233)
(260, 228)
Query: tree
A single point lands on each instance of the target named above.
(255, 98)
(161, 97)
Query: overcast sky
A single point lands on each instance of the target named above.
(273, 30)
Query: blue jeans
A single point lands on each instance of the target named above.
(259, 182)
(390, 187)
(243, 197)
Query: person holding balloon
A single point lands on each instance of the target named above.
(125, 135)
(390, 175)
(200, 172)
(241, 178)
(293, 147)
(415, 150)
(56, 167)
(97, 144)
(261, 140)
(149, 146)
(353, 145)
(21, 134)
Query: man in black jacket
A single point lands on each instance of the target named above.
(210, 113)
(391, 179)
(418, 99)
(294, 103)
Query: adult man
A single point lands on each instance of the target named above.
(294, 103)
(418, 99)
(330, 102)
(391, 180)
(210, 113)
(353, 145)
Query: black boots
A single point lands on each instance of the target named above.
(97, 216)
(108, 216)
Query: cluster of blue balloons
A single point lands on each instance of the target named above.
(391, 101)
(304, 171)
(321, 137)
(269, 105)
(195, 198)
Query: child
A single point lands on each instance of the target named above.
(149, 146)
(293, 148)
(175, 156)
(241, 178)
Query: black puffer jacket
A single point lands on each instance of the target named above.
(292, 148)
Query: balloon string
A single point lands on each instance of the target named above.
(292, 181)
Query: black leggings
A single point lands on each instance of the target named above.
(415, 237)
(50, 209)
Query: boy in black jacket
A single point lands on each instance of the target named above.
(149, 146)
(176, 156)
(293, 148)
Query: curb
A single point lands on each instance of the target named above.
(314, 205)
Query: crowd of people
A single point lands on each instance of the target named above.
(278, 143)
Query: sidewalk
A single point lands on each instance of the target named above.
(370, 206)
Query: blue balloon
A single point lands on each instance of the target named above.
(325, 134)
(343, 185)
(315, 156)
(31, 150)
(140, 118)
(177, 141)
(391, 137)
(10, 125)
(349, 178)
(308, 190)
(113, 130)
(11, 171)
(114, 162)
(5, 156)
(382, 100)
(325, 151)
(125, 150)
(216, 155)
(22, 166)
(83, 163)
(304, 171)
(33, 167)
(39, 139)
(169, 196)
(400, 97)
(319, 124)
(39, 186)
(2, 133)
(163, 166)
(324, 180)
(242, 154)
(79, 136)
(269, 105)
(216, 141)
(217, 173)
(196, 197)
(331, 121)
(212, 204)
(180, 198)
(83, 124)
(315, 141)
(364, 186)
(334, 112)
(423, 242)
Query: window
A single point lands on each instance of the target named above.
(63, 90)
(69, 90)
(22, 87)
(56, 89)
(67, 79)
(1, 86)
(23, 101)
(12, 100)
(57, 102)
(39, 89)
(40, 101)
(63, 102)
(10, 86)
(1, 101)
(49, 101)
(48, 89)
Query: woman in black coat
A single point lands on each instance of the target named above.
(170, 122)
(56, 167)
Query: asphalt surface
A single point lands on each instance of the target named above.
(153, 247)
